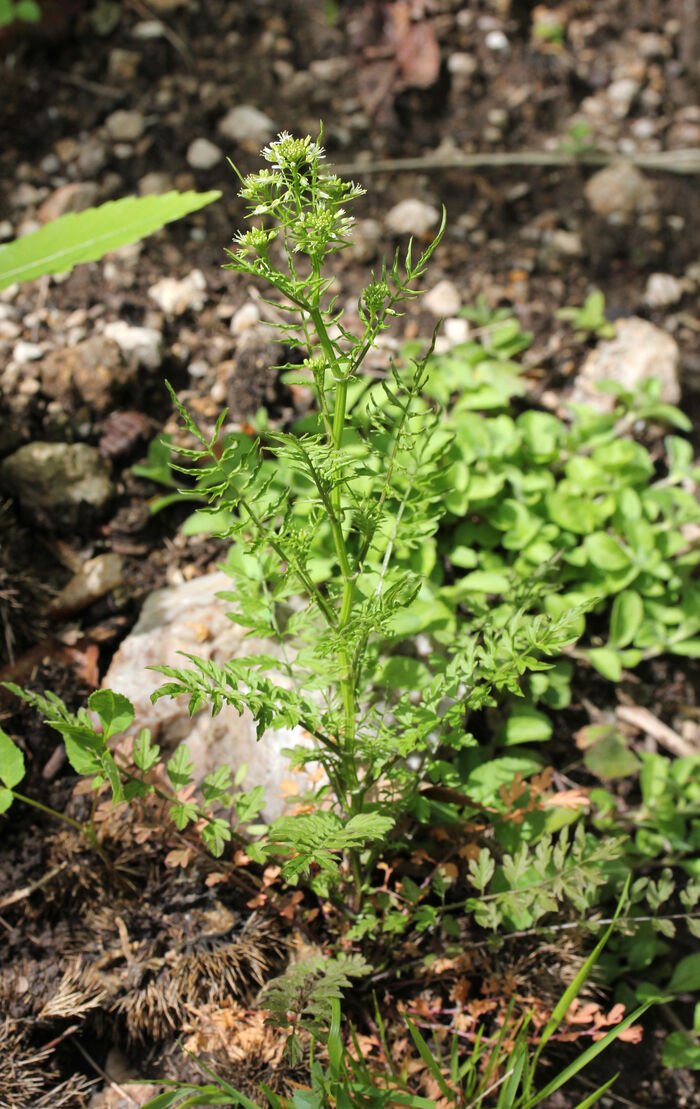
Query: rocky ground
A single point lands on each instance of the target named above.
(108, 99)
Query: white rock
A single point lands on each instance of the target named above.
(27, 352)
(125, 126)
(443, 299)
(561, 241)
(148, 29)
(330, 70)
(640, 350)
(456, 330)
(202, 154)
(144, 343)
(496, 40)
(618, 192)
(247, 124)
(620, 95)
(652, 45)
(412, 217)
(245, 317)
(92, 157)
(6, 230)
(366, 236)
(95, 577)
(453, 332)
(155, 182)
(175, 297)
(190, 618)
(662, 290)
(463, 65)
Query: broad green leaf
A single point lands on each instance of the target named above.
(610, 757)
(686, 975)
(605, 552)
(607, 662)
(525, 725)
(626, 617)
(114, 710)
(11, 761)
(571, 512)
(681, 1050)
(485, 581)
(206, 523)
(401, 672)
(60, 245)
(688, 647)
(6, 799)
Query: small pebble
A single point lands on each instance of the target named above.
(203, 154)
(125, 126)
(412, 217)
(148, 29)
(175, 297)
(662, 290)
(496, 40)
(24, 352)
(245, 317)
(443, 299)
(247, 124)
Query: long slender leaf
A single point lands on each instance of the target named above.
(429, 1060)
(589, 1054)
(86, 236)
(596, 1095)
(572, 991)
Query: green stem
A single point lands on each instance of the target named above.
(347, 680)
(84, 829)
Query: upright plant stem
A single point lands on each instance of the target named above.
(347, 679)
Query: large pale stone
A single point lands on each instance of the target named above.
(190, 618)
(640, 350)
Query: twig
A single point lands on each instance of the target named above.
(645, 721)
(175, 41)
(26, 891)
(90, 86)
(103, 1073)
(668, 161)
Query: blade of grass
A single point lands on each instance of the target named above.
(588, 1056)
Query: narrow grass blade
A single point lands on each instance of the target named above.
(429, 1060)
(588, 1056)
(596, 1095)
(572, 991)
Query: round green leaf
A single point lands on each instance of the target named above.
(525, 725)
(605, 552)
(114, 710)
(11, 762)
(626, 617)
(607, 662)
(610, 758)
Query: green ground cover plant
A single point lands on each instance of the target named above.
(418, 553)
(25, 11)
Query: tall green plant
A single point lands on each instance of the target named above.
(330, 566)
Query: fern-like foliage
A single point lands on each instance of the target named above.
(60, 245)
(302, 997)
(316, 842)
